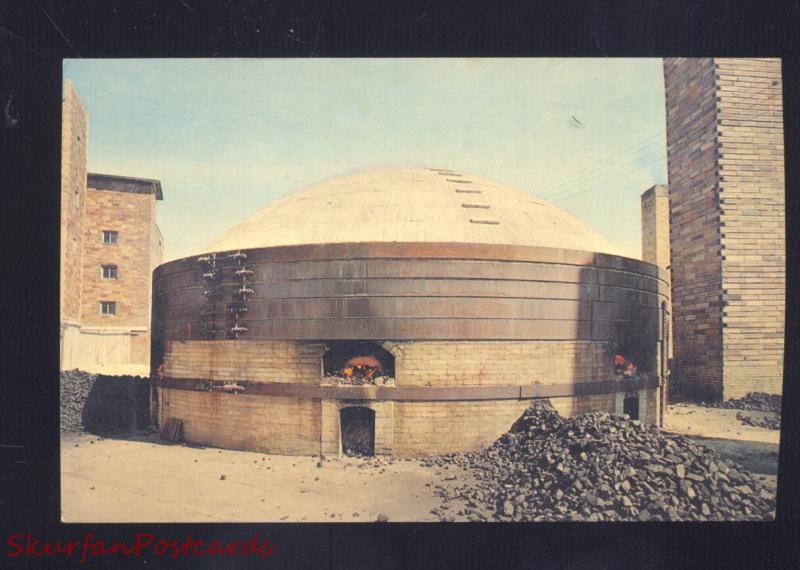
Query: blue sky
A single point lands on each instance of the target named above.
(227, 137)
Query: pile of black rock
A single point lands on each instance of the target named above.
(74, 391)
(755, 401)
(599, 467)
(102, 404)
(758, 402)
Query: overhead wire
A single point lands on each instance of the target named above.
(567, 197)
(647, 148)
(605, 161)
(623, 169)
(658, 152)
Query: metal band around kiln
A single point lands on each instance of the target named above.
(409, 393)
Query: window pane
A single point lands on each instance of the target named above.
(108, 307)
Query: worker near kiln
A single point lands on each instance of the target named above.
(625, 367)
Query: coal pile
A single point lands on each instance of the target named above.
(755, 401)
(600, 467)
(103, 405)
(74, 391)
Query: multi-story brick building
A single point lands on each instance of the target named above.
(110, 244)
(727, 223)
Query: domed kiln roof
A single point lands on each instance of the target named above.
(412, 205)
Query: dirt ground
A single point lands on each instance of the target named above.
(689, 419)
(105, 480)
(144, 480)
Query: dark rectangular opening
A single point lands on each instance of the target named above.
(358, 431)
(630, 407)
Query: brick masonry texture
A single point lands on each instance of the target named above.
(752, 214)
(443, 363)
(655, 236)
(298, 426)
(281, 425)
(726, 185)
(310, 426)
(655, 226)
(74, 137)
(256, 361)
(130, 215)
(450, 363)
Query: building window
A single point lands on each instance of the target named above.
(110, 236)
(109, 271)
(108, 307)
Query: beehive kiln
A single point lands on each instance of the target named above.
(404, 312)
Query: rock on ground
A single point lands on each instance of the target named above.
(601, 467)
(755, 401)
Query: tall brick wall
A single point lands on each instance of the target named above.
(725, 152)
(130, 215)
(752, 206)
(655, 237)
(694, 223)
(74, 145)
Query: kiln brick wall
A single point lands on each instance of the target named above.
(751, 167)
(74, 141)
(725, 150)
(309, 427)
(574, 406)
(445, 363)
(256, 361)
(458, 363)
(277, 424)
(403, 428)
(426, 428)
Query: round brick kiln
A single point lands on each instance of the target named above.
(405, 312)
